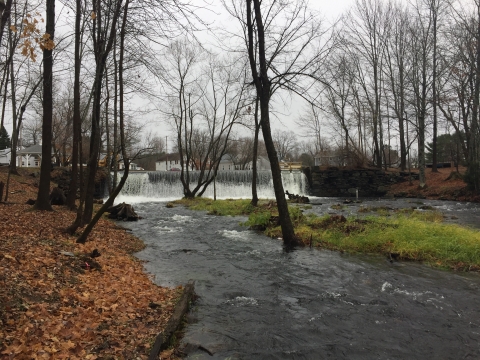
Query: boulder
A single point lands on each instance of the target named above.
(57, 197)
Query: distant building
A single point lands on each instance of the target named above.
(290, 166)
(168, 162)
(31, 156)
(132, 166)
(226, 163)
(5, 156)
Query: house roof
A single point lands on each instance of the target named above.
(170, 157)
(31, 150)
(226, 158)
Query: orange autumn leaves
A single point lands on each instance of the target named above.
(32, 36)
(52, 308)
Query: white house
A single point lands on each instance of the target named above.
(131, 166)
(168, 162)
(226, 163)
(5, 156)
(30, 156)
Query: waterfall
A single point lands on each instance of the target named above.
(166, 185)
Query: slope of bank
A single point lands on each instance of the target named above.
(59, 300)
(446, 184)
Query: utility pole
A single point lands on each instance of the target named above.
(166, 152)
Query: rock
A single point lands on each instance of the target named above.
(67, 253)
(297, 198)
(122, 212)
(95, 253)
(57, 197)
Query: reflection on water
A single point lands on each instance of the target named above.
(259, 302)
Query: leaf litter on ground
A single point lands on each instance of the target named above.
(55, 304)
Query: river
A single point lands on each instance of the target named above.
(257, 301)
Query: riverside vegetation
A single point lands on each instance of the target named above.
(404, 234)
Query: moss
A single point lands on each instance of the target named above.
(410, 234)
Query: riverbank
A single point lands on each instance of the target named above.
(446, 184)
(57, 301)
(410, 234)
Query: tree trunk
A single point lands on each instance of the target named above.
(13, 158)
(434, 88)
(83, 237)
(103, 45)
(77, 120)
(5, 17)
(254, 201)
(263, 87)
(43, 197)
(473, 171)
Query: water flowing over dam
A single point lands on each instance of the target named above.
(166, 185)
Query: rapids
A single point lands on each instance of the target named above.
(259, 302)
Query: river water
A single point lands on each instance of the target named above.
(257, 301)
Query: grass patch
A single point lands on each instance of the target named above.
(337, 207)
(411, 234)
(227, 207)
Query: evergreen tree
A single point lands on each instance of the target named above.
(448, 146)
(4, 139)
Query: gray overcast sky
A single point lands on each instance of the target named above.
(286, 113)
(287, 109)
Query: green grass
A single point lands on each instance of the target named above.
(412, 234)
(227, 207)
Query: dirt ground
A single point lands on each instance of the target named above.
(446, 184)
(58, 300)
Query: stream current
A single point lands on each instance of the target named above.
(257, 301)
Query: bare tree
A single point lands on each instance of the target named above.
(397, 59)
(207, 103)
(420, 78)
(241, 151)
(277, 62)
(43, 197)
(368, 27)
(285, 143)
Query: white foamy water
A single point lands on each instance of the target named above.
(182, 219)
(233, 234)
(167, 229)
(242, 301)
(432, 297)
(154, 186)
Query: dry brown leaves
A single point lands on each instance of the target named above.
(54, 306)
(439, 186)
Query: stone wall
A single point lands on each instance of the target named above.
(62, 177)
(337, 182)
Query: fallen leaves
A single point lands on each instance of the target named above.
(52, 308)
